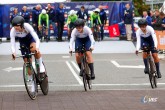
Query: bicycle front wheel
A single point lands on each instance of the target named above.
(44, 85)
(30, 81)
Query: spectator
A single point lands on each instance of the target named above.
(152, 14)
(157, 22)
(50, 11)
(82, 13)
(103, 19)
(15, 13)
(128, 19)
(148, 18)
(163, 23)
(25, 14)
(59, 20)
(35, 14)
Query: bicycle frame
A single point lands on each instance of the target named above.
(151, 68)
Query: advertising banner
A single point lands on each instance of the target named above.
(114, 12)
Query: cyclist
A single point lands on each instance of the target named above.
(147, 37)
(43, 20)
(83, 35)
(27, 37)
(70, 21)
(95, 19)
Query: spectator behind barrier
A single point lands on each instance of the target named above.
(157, 22)
(59, 20)
(35, 14)
(25, 14)
(51, 12)
(14, 14)
(128, 19)
(103, 19)
(148, 18)
(83, 14)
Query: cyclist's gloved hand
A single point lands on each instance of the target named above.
(13, 56)
(136, 52)
(37, 50)
(70, 51)
(91, 48)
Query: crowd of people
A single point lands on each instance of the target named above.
(55, 17)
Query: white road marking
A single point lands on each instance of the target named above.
(74, 85)
(75, 65)
(9, 69)
(65, 56)
(74, 73)
(125, 66)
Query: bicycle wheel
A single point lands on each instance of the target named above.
(84, 75)
(44, 85)
(151, 78)
(88, 76)
(28, 80)
(155, 80)
(98, 36)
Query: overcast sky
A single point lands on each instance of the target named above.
(28, 1)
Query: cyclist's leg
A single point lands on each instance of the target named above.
(78, 43)
(25, 42)
(143, 44)
(102, 32)
(89, 57)
(69, 33)
(155, 56)
(157, 64)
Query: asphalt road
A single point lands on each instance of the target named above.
(120, 84)
(113, 72)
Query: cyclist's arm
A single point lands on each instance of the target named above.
(68, 20)
(91, 18)
(12, 40)
(39, 19)
(138, 40)
(73, 37)
(99, 19)
(47, 20)
(29, 28)
(90, 34)
(154, 37)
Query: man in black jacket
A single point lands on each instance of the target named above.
(25, 14)
(82, 13)
(59, 21)
(35, 14)
(128, 19)
(50, 11)
(103, 19)
(157, 21)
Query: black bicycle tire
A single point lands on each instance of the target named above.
(150, 74)
(155, 81)
(44, 82)
(98, 36)
(88, 78)
(151, 81)
(84, 74)
(153, 74)
(33, 97)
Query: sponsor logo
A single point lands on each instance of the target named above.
(148, 99)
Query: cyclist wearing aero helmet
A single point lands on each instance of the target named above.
(27, 37)
(83, 35)
(147, 37)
